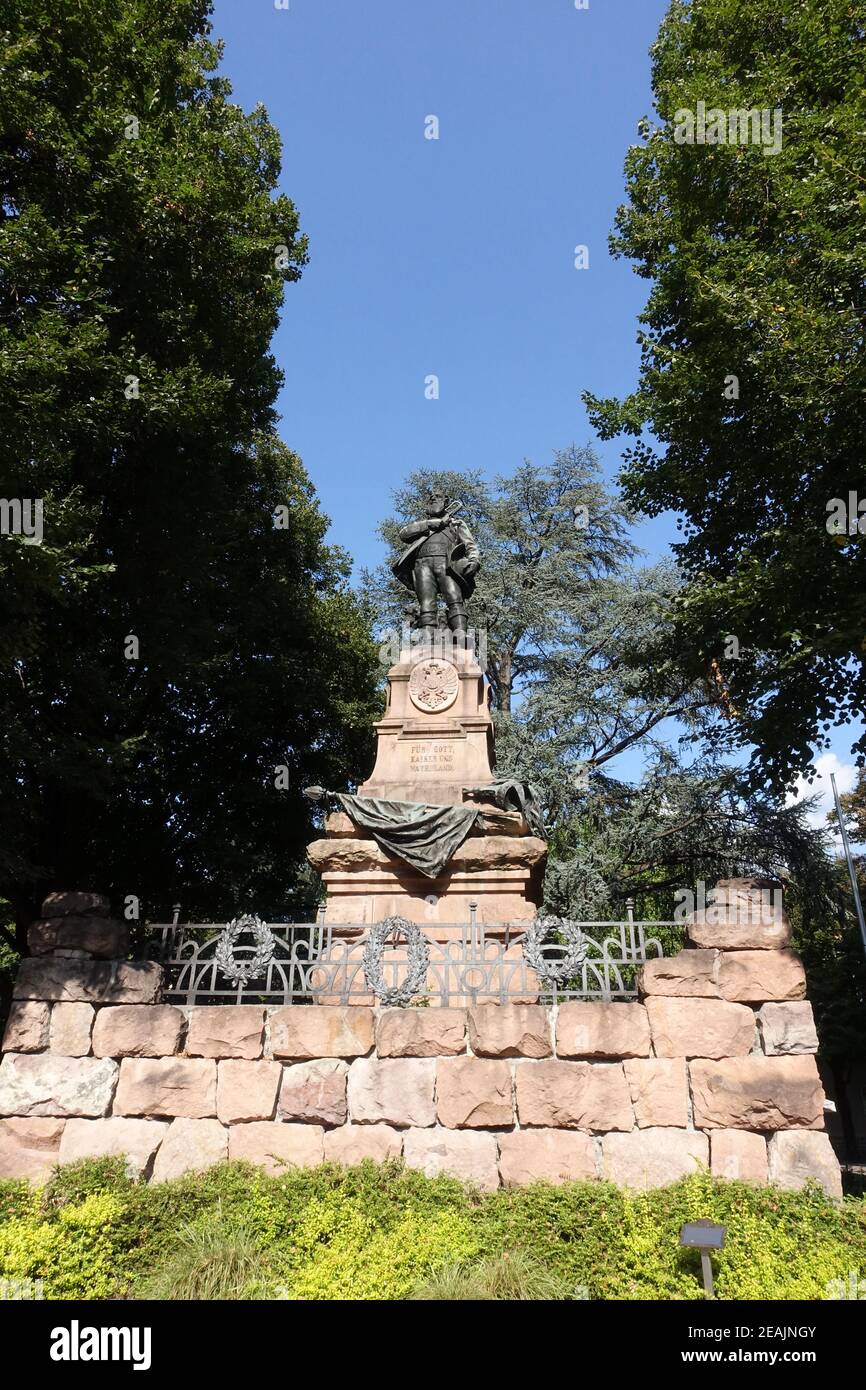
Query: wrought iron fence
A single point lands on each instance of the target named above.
(315, 962)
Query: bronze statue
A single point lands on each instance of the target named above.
(441, 558)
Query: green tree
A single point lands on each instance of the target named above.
(750, 413)
(546, 535)
(829, 942)
(580, 651)
(573, 634)
(832, 950)
(679, 826)
(183, 632)
(854, 806)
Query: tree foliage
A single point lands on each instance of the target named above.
(581, 656)
(572, 633)
(830, 944)
(758, 264)
(144, 255)
(682, 825)
(854, 808)
(547, 536)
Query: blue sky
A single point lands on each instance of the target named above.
(455, 256)
(451, 257)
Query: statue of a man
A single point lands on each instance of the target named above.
(441, 558)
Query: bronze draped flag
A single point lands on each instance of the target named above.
(423, 836)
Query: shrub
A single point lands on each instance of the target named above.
(341, 1254)
(74, 1255)
(74, 1182)
(382, 1232)
(624, 1245)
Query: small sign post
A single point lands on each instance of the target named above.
(705, 1236)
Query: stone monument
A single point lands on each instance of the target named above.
(435, 750)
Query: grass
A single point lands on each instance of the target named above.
(516, 1276)
(214, 1261)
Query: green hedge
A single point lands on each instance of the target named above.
(382, 1232)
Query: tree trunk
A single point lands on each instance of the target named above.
(504, 680)
(840, 1076)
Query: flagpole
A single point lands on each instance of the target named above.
(855, 888)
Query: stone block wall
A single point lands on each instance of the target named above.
(713, 1067)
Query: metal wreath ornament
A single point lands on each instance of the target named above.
(418, 960)
(575, 950)
(251, 968)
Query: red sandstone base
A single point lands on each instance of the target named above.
(714, 1068)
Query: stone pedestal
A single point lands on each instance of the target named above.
(436, 737)
(500, 874)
